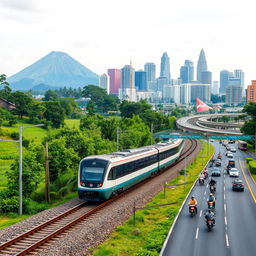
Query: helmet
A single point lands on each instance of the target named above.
(210, 194)
(209, 211)
(192, 197)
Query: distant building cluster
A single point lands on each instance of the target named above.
(133, 85)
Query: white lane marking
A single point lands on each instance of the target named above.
(201, 213)
(224, 189)
(225, 207)
(224, 181)
(225, 218)
(207, 185)
(224, 196)
(197, 231)
(205, 192)
(227, 242)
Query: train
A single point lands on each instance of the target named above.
(101, 177)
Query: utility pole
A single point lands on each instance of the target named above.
(152, 128)
(117, 139)
(47, 179)
(20, 173)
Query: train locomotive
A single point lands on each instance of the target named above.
(101, 177)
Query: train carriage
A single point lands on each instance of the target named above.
(101, 177)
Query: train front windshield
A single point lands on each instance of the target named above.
(93, 170)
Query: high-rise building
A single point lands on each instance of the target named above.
(127, 90)
(161, 81)
(201, 91)
(206, 77)
(224, 77)
(104, 82)
(165, 67)
(215, 87)
(233, 94)
(114, 80)
(150, 69)
(185, 93)
(141, 80)
(238, 73)
(187, 72)
(201, 65)
(251, 92)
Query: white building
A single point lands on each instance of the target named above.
(104, 82)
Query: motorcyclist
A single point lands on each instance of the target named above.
(211, 198)
(193, 202)
(213, 182)
(201, 176)
(210, 216)
(205, 172)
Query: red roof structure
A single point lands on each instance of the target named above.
(201, 106)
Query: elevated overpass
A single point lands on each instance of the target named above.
(203, 124)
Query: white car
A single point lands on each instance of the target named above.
(233, 172)
(229, 155)
(233, 150)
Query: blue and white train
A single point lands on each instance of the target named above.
(103, 176)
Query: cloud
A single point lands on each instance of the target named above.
(19, 5)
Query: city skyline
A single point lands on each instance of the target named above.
(31, 29)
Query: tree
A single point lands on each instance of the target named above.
(22, 102)
(90, 108)
(54, 113)
(50, 95)
(3, 80)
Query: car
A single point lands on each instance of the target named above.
(233, 150)
(233, 172)
(218, 163)
(237, 185)
(216, 171)
(229, 155)
(231, 141)
(228, 148)
(211, 140)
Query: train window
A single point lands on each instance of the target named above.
(111, 174)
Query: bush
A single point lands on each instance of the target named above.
(15, 135)
(252, 166)
(54, 195)
(32, 207)
(248, 159)
(10, 204)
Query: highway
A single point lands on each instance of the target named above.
(235, 230)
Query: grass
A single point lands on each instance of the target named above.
(7, 220)
(152, 225)
(72, 123)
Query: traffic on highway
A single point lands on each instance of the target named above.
(219, 216)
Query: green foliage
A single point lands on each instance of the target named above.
(22, 102)
(128, 109)
(50, 95)
(54, 113)
(9, 204)
(90, 108)
(100, 98)
(252, 166)
(248, 159)
(215, 98)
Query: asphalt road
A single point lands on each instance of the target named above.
(235, 230)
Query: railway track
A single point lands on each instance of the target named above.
(30, 241)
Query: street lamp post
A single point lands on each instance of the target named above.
(20, 173)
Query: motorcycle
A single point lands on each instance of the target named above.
(212, 188)
(201, 181)
(211, 205)
(210, 224)
(192, 210)
(219, 156)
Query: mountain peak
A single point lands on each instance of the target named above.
(57, 69)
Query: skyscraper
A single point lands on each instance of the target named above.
(127, 90)
(215, 87)
(104, 82)
(141, 80)
(150, 69)
(206, 77)
(201, 65)
(251, 92)
(233, 94)
(114, 80)
(187, 72)
(224, 77)
(165, 67)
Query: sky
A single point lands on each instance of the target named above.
(104, 34)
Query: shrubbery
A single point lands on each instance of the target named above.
(252, 166)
